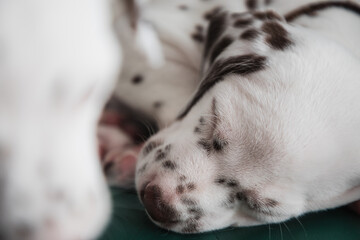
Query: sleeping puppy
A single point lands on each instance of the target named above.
(272, 130)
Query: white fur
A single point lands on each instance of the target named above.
(58, 60)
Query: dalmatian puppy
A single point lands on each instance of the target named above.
(271, 131)
(58, 65)
(159, 93)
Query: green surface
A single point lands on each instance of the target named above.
(129, 221)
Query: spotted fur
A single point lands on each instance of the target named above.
(252, 128)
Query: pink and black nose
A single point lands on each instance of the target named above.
(158, 209)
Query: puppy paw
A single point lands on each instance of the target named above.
(119, 166)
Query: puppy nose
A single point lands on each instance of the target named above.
(157, 208)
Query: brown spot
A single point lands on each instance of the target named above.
(250, 34)
(190, 186)
(160, 155)
(277, 36)
(137, 79)
(270, 202)
(190, 227)
(215, 29)
(242, 65)
(199, 28)
(268, 15)
(157, 104)
(197, 130)
(151, 146)
(183, 7)
(238, 15)
(180, 189)
(210, 14)
(182, 178)
(197, 37)
(240, 23)
(310, 9)
(251, 4)
(196, 211)
(220, 47)
(169, 165)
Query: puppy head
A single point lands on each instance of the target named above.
(247, 148)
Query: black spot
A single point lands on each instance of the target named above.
(220, 47)
(277, 36)
(251, 4)
(190, 186)
(215, 29)
(250, 34)
(151, 146)
(220, 180)
(218, 144)
(180, 189)
(231, 183)
(203, 143)
(240, 23)
(183, 7)
(188, 201)
(137, 79)
(202, 121)
(268, 15)
(268, 2)
(169, 165)
(242, 65)
(157, 104)
(241, 196)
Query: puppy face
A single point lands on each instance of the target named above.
(253, 146)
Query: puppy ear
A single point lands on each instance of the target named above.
(132, 27)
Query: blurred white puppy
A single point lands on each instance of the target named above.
(58, 60)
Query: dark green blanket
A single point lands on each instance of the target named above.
(129, 221)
